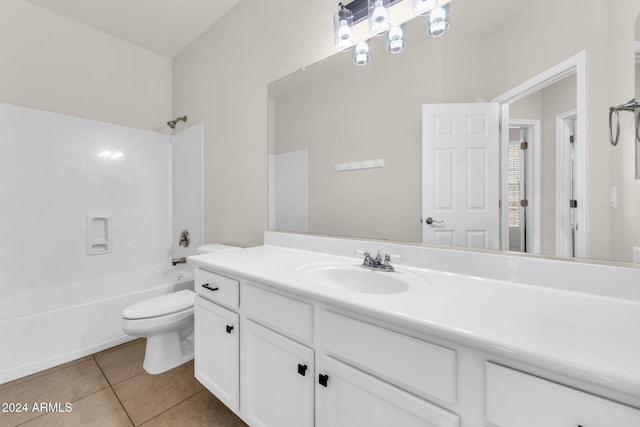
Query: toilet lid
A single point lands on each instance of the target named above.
(161, 305)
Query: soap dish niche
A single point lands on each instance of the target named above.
(98, 233)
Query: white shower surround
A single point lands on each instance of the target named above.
(57, 302)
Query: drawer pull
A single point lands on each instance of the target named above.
(229, 329)
(323, 380)
(302, 369)
(206, 286)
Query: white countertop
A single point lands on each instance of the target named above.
(590, 337)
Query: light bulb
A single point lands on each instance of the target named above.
(342, 22)
(378, 17)
(422, 7)
(361, 53)
(344, 31)
(379, 12)
(438, 21)
(396, 39)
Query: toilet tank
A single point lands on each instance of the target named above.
(215, 247)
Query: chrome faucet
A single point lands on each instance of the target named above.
(176, 261)
(377, 263)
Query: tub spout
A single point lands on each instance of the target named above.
(176, 261)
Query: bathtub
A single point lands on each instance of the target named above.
(44, 328)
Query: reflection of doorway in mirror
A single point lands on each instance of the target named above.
(542, 98)
(568, 239)
(523, 205)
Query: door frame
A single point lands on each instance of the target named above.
(563, 186)
(573, 65)
(532, 225)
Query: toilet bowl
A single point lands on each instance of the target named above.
(166, 321)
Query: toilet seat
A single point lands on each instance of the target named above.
(162, 305)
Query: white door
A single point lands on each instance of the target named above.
(276, 379)
(461, 174)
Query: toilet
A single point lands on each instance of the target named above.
(166, 321)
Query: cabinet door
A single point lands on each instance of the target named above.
(518, 399)
(277, 379)
(217, 358)
(347, 397)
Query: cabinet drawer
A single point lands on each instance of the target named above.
(517, 399)
(283, 314)
(420, 367)
(217, 288)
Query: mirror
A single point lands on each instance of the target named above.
(345, 142)
(636, 48)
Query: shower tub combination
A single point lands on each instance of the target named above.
(44, 328)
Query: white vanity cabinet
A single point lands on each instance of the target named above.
(216, 353)
(282, 359)
(514, 398)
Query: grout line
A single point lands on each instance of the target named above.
(113, 391)
(171, 407)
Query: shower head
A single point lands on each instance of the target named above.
(172, 123)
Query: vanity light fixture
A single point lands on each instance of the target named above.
(342, 23)
(361, 53)
(377, 11)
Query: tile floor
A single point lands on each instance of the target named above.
(110, 388)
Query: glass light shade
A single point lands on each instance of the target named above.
(422, 7)
(397, 39)
(361, 53)
(379, 22)
(438, 21)
(342, 24)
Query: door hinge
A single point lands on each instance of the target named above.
(524, 145)
(500, 127)
(524, 203)
(572, 139)
(573, 203)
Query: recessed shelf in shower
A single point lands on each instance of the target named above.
(98, 233)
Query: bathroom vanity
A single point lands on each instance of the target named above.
(295, 333)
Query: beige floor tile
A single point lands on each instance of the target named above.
(203, 409)
(45, 372)
(122, 364)
(100, 409)
(145, 396)
(120, 346)
(61, 386)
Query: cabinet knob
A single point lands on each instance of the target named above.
(206, 286)
(323, 380)
(302, 369)
(229, 329)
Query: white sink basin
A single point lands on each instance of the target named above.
(354, 278)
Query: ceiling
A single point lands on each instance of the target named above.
(162, 26)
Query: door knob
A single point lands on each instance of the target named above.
(430, 221)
